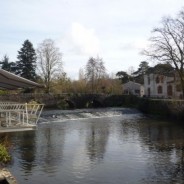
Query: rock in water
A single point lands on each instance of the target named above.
(1, 176)
(7, 176)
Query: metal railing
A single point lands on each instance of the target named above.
(19, 114)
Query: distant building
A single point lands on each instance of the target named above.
(133, 88)
(162, 84)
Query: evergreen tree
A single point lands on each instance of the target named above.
(6, 65)
(142, 70)
(124, 77)
(26, 64)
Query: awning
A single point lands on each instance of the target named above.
(11, 81)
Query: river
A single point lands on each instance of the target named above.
(105, 146)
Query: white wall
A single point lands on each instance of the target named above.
(154, 86)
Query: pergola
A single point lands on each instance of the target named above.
(11, 81)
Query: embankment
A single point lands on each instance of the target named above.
(168, 108)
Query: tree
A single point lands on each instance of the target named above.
(26, 64)
(6, 65)
(91, 72)
(94, 72)
(62, 84)
(49, 60)
(81, 74)
(123, 76)
(143, 67)
(130, 71)
(167, 44)
(141, 71)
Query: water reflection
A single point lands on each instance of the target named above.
(96, 141)
(27, 150)
(165, 142)
(129, 148)
(50, 142)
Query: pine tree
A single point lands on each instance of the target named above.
(26, 64)
(7, 65)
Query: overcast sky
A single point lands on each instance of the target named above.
(116, 30)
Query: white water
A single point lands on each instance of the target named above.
(64, 115)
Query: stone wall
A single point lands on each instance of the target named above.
(163, 107)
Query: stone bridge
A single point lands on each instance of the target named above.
(72, 100)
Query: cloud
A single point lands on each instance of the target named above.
(138, 44)
(85, 40)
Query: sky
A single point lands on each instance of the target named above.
(115, 30)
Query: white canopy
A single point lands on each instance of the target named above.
(11, 81)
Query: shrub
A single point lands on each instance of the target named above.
(3, 92)
(4, 155)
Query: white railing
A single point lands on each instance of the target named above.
(19, 114)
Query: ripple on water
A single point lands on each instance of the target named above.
(125, 148)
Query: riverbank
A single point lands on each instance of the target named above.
(167, 108)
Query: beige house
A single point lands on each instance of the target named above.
(162, 85)
(133, 88)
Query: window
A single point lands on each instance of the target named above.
(137, 91)
(157, 79)
(148, 79)
(178, 87)
(126, 92)
(149, 92)
(169, 90)
(159, 89)
(162, 79)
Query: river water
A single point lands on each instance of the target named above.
(105, 146)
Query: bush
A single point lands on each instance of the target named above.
(4, 155)
(3, 92)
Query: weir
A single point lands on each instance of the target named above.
(65, 115)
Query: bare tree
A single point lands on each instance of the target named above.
(81, 74)
(94, 71)
(167, 44)
(49, 60)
